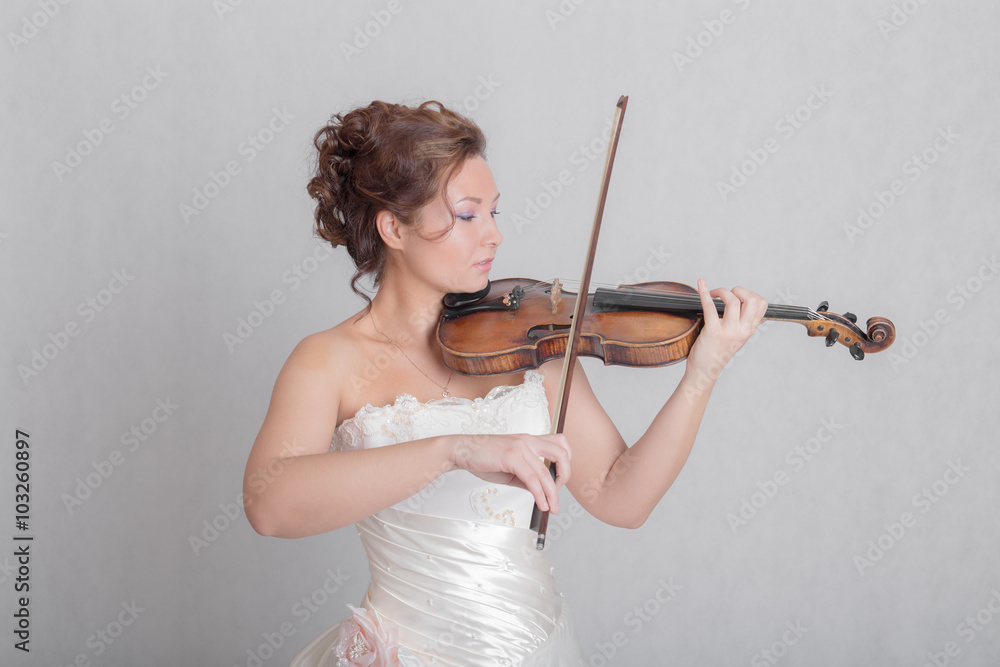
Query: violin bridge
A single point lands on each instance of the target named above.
(555, 296)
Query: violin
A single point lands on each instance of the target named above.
(516, 324)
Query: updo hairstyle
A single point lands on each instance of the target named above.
(385, 157)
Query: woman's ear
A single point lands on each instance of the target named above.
(388, 226)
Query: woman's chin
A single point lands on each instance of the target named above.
(471, 286)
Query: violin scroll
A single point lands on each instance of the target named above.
(842, 329)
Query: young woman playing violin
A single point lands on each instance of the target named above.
(440, 471)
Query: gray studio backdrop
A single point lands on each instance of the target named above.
(159, 266)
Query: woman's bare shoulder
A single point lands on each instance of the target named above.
(333, 349)
(317, 374)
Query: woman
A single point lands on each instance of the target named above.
(441, 478)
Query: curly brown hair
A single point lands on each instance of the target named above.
(385, 157)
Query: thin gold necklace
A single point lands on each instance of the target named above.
(444, 387)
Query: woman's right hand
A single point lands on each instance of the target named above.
(516, 460)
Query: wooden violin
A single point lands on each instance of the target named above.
(516, 324)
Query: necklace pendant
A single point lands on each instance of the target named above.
(446, 393)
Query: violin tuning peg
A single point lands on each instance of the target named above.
(822, 308)
(857, 352)
(851, 316)
(832, 337)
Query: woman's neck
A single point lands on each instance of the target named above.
(406, 309)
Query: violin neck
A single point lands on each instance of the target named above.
(689, 303)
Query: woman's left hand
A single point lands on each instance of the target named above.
(722, 337)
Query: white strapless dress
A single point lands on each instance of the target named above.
(456, 578)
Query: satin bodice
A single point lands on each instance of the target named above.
(454, 567)
(457, 494)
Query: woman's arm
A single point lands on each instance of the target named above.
(622, 485)
(294, 486)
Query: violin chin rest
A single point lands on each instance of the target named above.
(460, 299)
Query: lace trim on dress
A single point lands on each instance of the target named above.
(397, 422)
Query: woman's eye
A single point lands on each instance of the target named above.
(494, 213)
(466, 216)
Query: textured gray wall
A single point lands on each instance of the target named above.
(155, 157)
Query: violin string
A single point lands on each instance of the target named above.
(693, 301)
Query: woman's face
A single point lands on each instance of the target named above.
(457, 259)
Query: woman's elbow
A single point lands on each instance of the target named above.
(633, 522)
(257, 522)
(630, 518)
(260, 518)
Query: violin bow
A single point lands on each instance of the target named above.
(540, 519)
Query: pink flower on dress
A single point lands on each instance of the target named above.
(365, 641)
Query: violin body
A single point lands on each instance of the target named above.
(515, 325)
(496, 338)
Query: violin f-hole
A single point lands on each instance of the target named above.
(540, 330)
